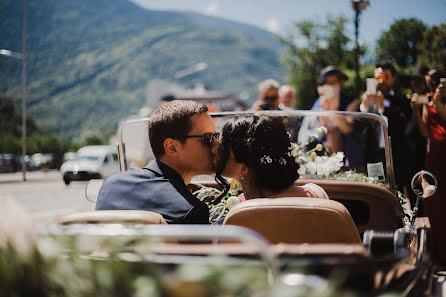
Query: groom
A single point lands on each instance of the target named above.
(183, 140)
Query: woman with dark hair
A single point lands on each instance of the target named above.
(432, 123)
(256, 152)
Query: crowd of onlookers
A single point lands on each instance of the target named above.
(416, 125)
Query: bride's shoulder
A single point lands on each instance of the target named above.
(316, 190)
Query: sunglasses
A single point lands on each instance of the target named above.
(381, 78)
(270, 98)
(208, 138)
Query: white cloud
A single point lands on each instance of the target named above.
(273, 25)
(212, 7)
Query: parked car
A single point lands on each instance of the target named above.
(30, 164)
(90, 162)
(47, 161)
(9, 163)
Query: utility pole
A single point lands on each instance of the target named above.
(358, 6)
(24, 90)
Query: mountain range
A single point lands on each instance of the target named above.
(89, 62)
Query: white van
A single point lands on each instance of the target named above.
(94, 161)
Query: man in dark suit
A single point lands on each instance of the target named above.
(183, 140)
(397, 112)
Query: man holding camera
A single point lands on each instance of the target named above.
(396, 111)
(341, 135)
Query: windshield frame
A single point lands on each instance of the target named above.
(363, 115)
(81, 158)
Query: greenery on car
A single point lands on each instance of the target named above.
(69, 265)
(66, 266)
(64, 261)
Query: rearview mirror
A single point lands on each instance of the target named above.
(424, 184)
(92, 189)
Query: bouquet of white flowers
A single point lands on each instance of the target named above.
(219, 210)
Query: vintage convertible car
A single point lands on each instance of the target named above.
(365, 239)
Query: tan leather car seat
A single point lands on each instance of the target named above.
(296, 220)
(113, 216)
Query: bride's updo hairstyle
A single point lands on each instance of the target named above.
(263, 145)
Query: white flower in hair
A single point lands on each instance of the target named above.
(266, 160)
(282, 161)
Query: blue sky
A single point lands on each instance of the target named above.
(278, 15)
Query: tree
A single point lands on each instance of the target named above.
(38, 141)
(308, 48)
(91, 137)
(400, 43)
(433, 48)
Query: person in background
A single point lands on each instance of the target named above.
(416, 141)
(396, 110)
(268, 96)
(341, 135)
(432, 122)
(287, 97)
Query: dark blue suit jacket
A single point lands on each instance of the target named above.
(157, 188)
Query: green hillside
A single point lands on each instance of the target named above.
(90, 61)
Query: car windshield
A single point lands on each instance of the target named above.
(327, 145)
(86, 158)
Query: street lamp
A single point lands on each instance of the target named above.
(358, 6)
(22, 57)
(191, 70)
(11, 54)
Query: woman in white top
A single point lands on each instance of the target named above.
(256, 152)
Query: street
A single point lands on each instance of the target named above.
(44, 195)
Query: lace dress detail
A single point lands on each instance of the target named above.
(320, 193)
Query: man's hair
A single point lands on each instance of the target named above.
(387, 65)
(268, 84)
(171, 120)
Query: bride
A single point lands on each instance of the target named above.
(256, 152)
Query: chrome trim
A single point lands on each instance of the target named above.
(119, 156)
(175, 232)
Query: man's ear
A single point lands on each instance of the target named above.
(171, 147)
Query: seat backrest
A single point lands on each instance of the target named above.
(112, 216)
(371, 206)
(296, 220)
